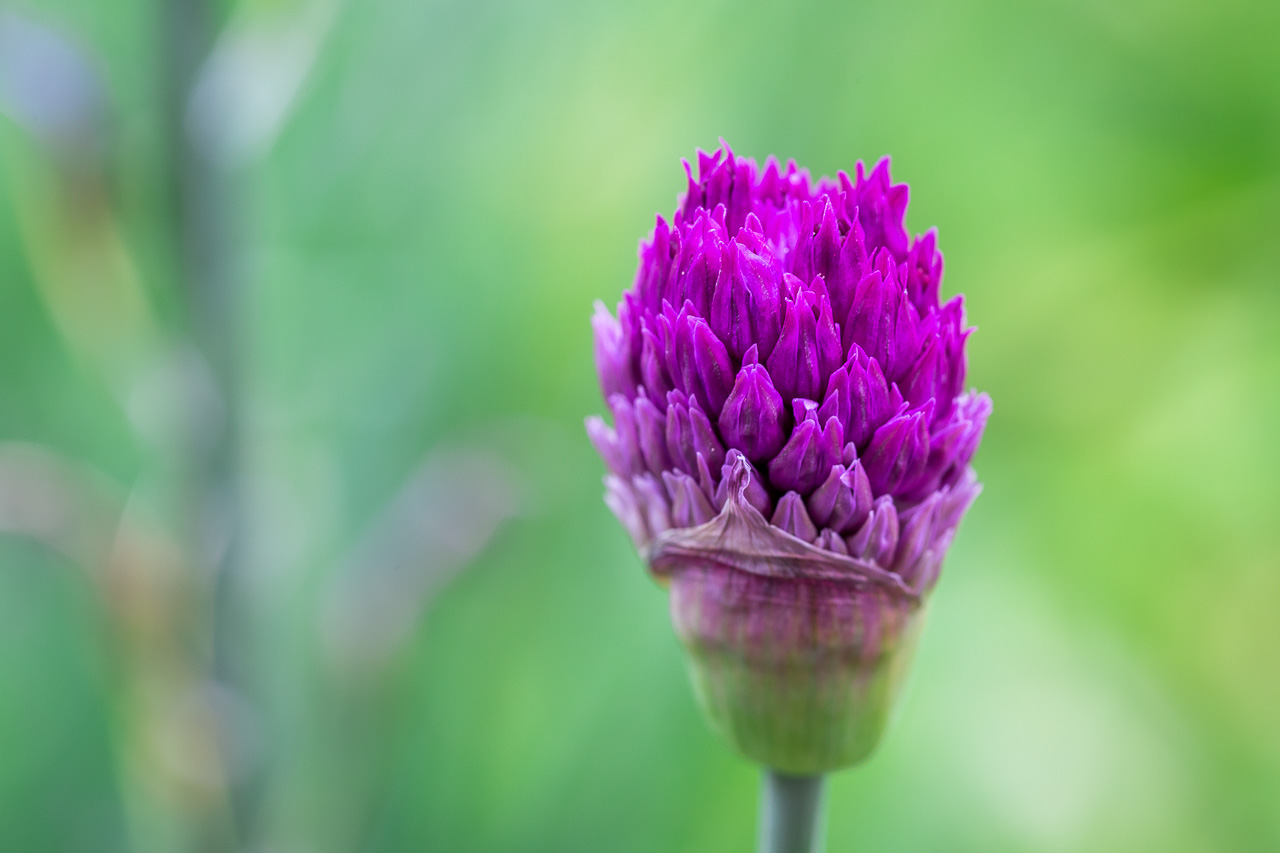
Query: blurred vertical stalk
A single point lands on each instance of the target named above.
(169, 720)
(791, 813)
(209, 260)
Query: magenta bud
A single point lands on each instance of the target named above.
(871, 399)
(806, 459)
(790, 444)
(623, 503)
(613, 353)
(877, 539)
(751, 419)
(794, 363)
(699, 362)
(829, 540)
(651, 435)
(653, 371)
(898, 451)
(651, 498)
(843, 501)
(791, 516)
(690, 506)
(688, 433)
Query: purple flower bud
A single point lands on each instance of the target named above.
(793, 363)
(700, 262)
(844, 500)
(622, 502)
(799, 259)
(882, 321)
(697, 361)
(836, 403)
(826, 245)
(924, 271)
(822, 502)
(652, 500)
(916, 537)
(807, 457)
(921, 382)
(842, 274)
(690, 506)
(953, 365)
(679, 432)
(791, 516)
(689, 433)
(618, 445)
(809, 348)
(830, 351)
(613, 354)
(746, 308)
(864, 394)
(856, 479)
(707, 480)
(829, 540)
(975, 409)
(790, 446)
(705, 441)
(898, 451)
(753, 414)
(956, 500)
(882, 208)
(655, 258)
(804, 410)
(877, 539)
(653, 371)
(651, 435)
(713, 368)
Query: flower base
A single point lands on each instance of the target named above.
(801, 676)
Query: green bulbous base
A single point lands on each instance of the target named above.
(800, 676)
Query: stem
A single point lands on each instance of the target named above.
(791, 813)
(209, 256)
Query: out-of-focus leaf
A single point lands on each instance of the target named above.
(439, 521)
(251, 81)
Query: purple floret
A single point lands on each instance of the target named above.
(792, 327)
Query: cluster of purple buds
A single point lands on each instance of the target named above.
(788, 407)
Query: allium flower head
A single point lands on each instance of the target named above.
(790, 444)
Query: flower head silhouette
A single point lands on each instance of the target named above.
(790, 444)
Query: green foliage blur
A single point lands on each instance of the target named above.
(446, 188)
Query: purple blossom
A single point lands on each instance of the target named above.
(787, 398)
(789, 320)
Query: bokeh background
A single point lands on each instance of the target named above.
(304, 547)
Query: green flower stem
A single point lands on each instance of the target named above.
(791, 813)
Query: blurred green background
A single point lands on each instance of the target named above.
(437, 637)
